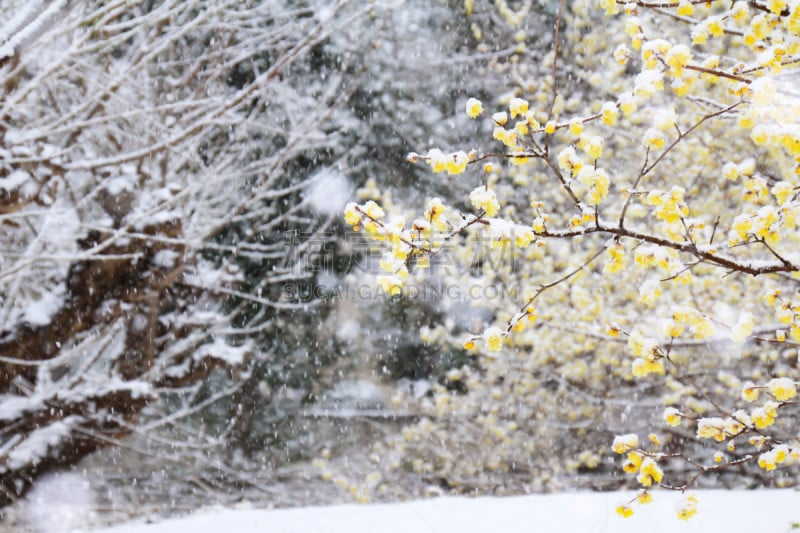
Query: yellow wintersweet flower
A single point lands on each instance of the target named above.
(575, 127)
(617, 261)
(776, 6)
(677, 58)
(373, 210)
(392, 285)
(740, 10)
(351, 214)
(632, 462)
(550, 127)
(715, 26)
(624, 511)
(711, 428)
(703, 327)
(782, 191)
(644, 497)
(474, 108)
(632, 27)
(569, 161)
(653, 139)
(493, 338)
(500, 118)
(507, 137)
(624, 443)
(764, 416)
(750, 392)
(767, 461)
(484, 199)
(649, 473)
(434, 210)
(437, 160)
(783, 389)
(621, 54)
(523, 237)
(759, 135)
(456, 163)
(518, 107)
(593, 146)
(609, 113)
(672, 417)
(689, 508)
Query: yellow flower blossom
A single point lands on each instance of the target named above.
(642, 367)
(649, 473)
(351, 214)
(434, 210)
(688, 508)
(653, 139)
(677, 58)
(625, 443)
(507, 137)
(672, 417)
(711, 428)
(593, 146)
(373, 210)
(484, 199)
(632, 462)
(493, 338)
(783, 389)
(609, 113)
(456, 163)
(392, 285)
(624, 511)
(764, 416)
(436, 159)
(518, 107)
(621, 54)
(569, 161)
(750, 392)
(474, 108)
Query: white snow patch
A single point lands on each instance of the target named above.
(348, 330)
(578, 512)
(219, 349)
(14, 180)
(328, 192)
(40, 312)
(119, 184)
(59, 503)
(165, 258)
(38, 443)
(12, 406)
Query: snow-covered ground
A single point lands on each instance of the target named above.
(718, 511)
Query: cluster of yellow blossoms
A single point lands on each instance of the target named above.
(424, 237)
(771, 213)
(645, 465)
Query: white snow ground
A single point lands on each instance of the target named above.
(761, 511)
